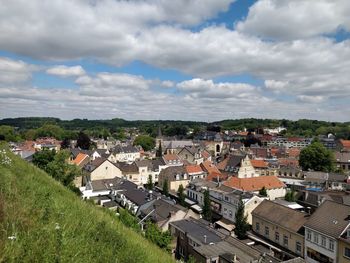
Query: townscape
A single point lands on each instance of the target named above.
(222, 196)
(175, 131)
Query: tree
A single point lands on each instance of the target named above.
(191, 259)
(30, 134)
(316, 157)
(8, 133)
(206, 207)
(43, 158)
(149, 184)
(290, 195)
(181, 195)
(128, 219)
(50, 130)
(156, 236)
(241, 221)
(61, 170)
(263, 191)
(145, 141)
(166, 187)
(83, 141)
(159, 152)
(65, 144)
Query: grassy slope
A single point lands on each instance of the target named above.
(31, 206)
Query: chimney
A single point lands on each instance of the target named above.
(308, 209)
(205, 239)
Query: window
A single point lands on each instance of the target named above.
(323, 241)
(257, 227)
(298, 247)
(181, 251)
(347, 252)
(315, 238)
(331, 245)
(267, 231)
(308, 235)
(285, 240)
(277, 237)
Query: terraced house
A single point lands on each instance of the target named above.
(282, 226)
(327, 234)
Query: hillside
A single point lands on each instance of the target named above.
(41, 221)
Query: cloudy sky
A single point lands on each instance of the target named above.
(186, 59)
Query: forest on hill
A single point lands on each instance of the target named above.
(26, 128)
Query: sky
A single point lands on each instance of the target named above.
(202, 60)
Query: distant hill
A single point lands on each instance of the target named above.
(42, 221)
(79, 124)
(302, 127)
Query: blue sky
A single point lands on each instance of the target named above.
(192, 60)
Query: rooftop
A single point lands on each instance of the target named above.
(330, 218)
(198, 231)
(254, 183)
(281, 215)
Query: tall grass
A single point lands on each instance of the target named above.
(41, 221)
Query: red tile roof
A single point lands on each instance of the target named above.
(80, 157)
(205, 154)
(193, 169)
(259, 163)
(209, 167)
(222, 165)
(254, 183)
(214, 177)
(345, 143)
(170, 157)
(294, 152)
(288, 162)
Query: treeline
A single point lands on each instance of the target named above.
(26, 128)
(303, 127)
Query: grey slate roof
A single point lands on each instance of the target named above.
(105, 184)
(163, 210)
(124, 149)
(131, 192)
(235, 160)
(323, 177)
(342, 157)
(177, 144)
(197, 231)
(281, 215)
(171, 172)
(330, 218)
(223, 248)
(128, 168)
(295, 260)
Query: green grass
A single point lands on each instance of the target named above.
(52, 224)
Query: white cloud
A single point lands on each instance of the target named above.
(311, 99)
(275, 85)
(300, 63)
(14, 72)
(167, 84)
(200, 88)
(295, 19)
(64, 71)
